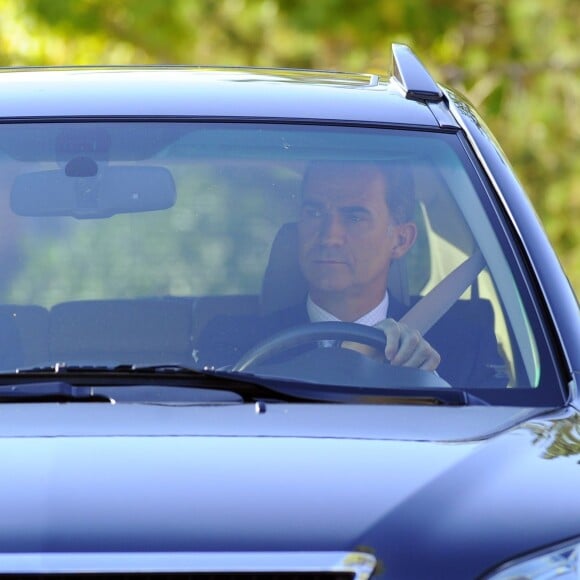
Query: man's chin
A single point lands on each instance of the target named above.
(328, 276)
(328, 286)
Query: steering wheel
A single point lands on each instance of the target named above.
(310, 333)
(324, 364)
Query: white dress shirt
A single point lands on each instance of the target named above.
(377, 314)
(318, 314)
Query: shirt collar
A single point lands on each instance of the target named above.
(377, 314)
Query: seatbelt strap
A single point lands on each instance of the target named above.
(436, 303)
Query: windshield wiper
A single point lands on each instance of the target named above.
(51, 392)
(300, 390)
(250, 387)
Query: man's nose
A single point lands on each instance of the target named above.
(332, 230)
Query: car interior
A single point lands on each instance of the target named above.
(121, 317)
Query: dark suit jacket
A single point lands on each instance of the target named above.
(464, 337)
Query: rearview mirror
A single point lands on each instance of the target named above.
(113, 190)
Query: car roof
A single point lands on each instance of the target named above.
(208, 92)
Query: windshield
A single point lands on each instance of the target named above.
(209, 245)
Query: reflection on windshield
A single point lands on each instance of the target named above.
(191, 244)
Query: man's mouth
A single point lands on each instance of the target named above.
(331, 262)
(327, 258)
(321, 259)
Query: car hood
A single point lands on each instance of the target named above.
(95, 478)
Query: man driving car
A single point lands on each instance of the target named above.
(356, 218)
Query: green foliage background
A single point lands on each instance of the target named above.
(518, 61)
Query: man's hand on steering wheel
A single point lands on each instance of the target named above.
(407, 347)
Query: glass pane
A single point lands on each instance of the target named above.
(190, 243)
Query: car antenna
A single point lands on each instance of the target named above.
(413, 77)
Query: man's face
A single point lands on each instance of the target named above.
(346, 234)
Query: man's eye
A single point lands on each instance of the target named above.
(311, 212)
(355, 218)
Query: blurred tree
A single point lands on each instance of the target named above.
(517, 61)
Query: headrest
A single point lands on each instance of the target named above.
(284, 285)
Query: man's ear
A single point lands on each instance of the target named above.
(405, 236)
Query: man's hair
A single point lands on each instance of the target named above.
(400, 195)
(398, 178)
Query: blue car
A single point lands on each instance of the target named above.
(270, 323)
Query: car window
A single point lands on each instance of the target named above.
(141, 242)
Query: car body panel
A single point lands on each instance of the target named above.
(209, 93)
(105, 478)
(417, 423)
